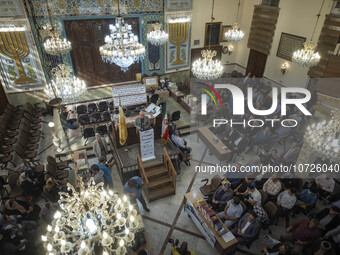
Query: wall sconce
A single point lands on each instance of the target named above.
(284, 68)
(228, 49)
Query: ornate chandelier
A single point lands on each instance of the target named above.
(324, 138)
(121, 46)
(157, 37)
(65, 85)
(91, 221)
(234, 34)
(55, 45)
(207, 69)
(306, 57)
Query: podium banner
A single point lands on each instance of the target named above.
(147, 147)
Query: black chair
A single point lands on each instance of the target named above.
(87, 133)
(175, 116)
(102, 130)
(84, 119)
(92, 108)
(96, 117)
(81, 109)
(102, 106)
(154, 98)
(106, 116)
(111, 106)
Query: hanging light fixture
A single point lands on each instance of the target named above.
(324, 138)
(306, 57)
(65, 85)
(55, 45)
(121, 46)
(206, 68)
(235, 34)
(91, 218)
(157, 37)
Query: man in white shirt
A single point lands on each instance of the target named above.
(254, 195)
(272, 186)
(325, 184)
(232, 212)
(180, 142)
(285, 202)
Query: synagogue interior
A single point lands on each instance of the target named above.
(151, 127)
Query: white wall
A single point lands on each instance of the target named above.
(224, 11)
(296, 17)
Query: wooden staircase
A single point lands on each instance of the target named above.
(160, 179)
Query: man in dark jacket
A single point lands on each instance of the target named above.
(328, 218)
(247, 228)
(221, 196)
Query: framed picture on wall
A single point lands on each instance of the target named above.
(224, 30)
(288, 44)
(212, 34)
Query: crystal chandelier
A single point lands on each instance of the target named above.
(55, 45)
(306, 57)
(324, 138)
(234, 34)
(157, 37)
(91, 219)
(121, 46)
(65, 85)
(207, 69)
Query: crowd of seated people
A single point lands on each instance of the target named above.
(245, 208)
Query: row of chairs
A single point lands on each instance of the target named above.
(95, 107)
(20, 133)
(90, 131)
(93, 118)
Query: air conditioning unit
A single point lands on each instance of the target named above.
(336, 8)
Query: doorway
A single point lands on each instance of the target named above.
(256, 63)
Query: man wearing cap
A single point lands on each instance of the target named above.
(221, 196)
(247, 228)
(232, 212)
(254, 195)
(142, 122)
(100, 147)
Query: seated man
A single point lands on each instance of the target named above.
(180, 143)
(278, 248)
(221, 196)
(238, 145)
(329, 218)
(272, 186)
(142, 122)
(275, 159)
(302, 233)
(234, 177)
(261, 138)
(285, 202)
(325, 184)
(333, 235)
(262, 215)
(232, 212)
(306, 200)
(232, 135)
(247, 228)
(290, 156)
(242, 187)
(254, 195)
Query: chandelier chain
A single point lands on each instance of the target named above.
(238, 8)
(317, 19)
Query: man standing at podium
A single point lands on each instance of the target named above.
(142, 122)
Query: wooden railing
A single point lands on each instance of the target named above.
(170, 167)
(143, 175)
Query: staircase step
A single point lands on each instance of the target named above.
(159, 182)
(152, 164)
(156, 172)
(164, 191)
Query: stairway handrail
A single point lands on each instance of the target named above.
(142, 170)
